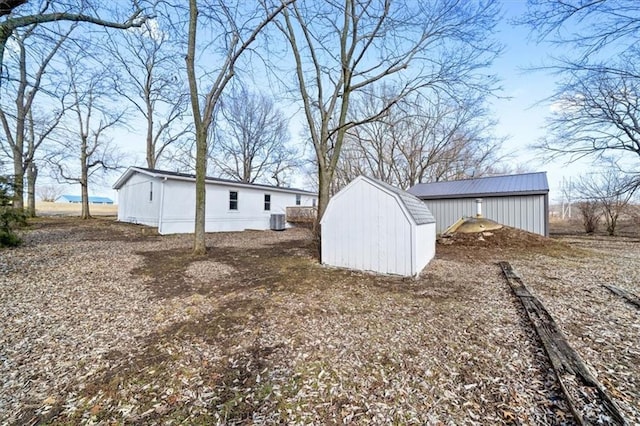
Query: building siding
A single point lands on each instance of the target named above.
(523, 212)
(367, 230)
(366, 227)
(134, 205)
(178, 211)
(172, 207)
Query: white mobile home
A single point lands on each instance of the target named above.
(166, 200)
(372, 226)
(520, 201)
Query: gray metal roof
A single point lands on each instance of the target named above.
(416, 208)
(496, 186)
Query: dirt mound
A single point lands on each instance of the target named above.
(504, 237)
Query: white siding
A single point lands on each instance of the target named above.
(365, 229)
(367, 226)
(425, 244)
(172, 207)
(522, 212)
(134, 202)
(178, 211)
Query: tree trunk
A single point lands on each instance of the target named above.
(84, 180)
(199, 243)
(85, 201)
(151, 149)
(324, 187)
(18, 183)
(324, 190)
(611, 226)
(32, 176)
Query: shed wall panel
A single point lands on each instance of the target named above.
(522, 212)
(425, 245)
(366, 229)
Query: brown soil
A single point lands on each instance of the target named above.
(505, 241)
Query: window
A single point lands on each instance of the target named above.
(150, 191)
(267, 201)
(233, 200)
(298, 199)
(314, 202)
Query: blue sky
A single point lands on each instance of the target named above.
(520, 107)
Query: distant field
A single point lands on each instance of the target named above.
(73, 209)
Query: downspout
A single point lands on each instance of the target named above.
(161, 210)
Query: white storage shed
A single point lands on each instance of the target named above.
(372, 226)
(166, 200)
(520, 201)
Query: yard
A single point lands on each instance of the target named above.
(105, 323)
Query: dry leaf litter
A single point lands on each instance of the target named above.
(104, 322)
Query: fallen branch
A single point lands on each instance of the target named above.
(589, 401)
(628, 296)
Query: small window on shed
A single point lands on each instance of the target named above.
(150, 191)
(267, 201)
(298, 199)
(233, 200)
(314, 202)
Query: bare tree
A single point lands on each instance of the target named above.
(342, 48)
(239, 26)
(150, 79)
(596, 99)
(252, 145)
(36, 48)
(50, 193)
(587, 27)
(39, 127)
(420, 140)
(591, 214)
(598, 114)
(611, 189)
(32, 55)
(18, 14)
(85, 151)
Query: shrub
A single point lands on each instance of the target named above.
(590, 211)
(9, 218)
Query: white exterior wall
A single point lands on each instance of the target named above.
(365, 228)
(134, 204)
(178, 210)
(425, 245)
(527, 212)
(172, 207)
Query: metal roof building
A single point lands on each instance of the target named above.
(372, 226)
(520, 201)
(78, 199)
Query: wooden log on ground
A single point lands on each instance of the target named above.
(627, 295)
(590, 402)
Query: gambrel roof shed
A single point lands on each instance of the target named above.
(372, 226)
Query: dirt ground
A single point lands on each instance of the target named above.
(105, 323)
